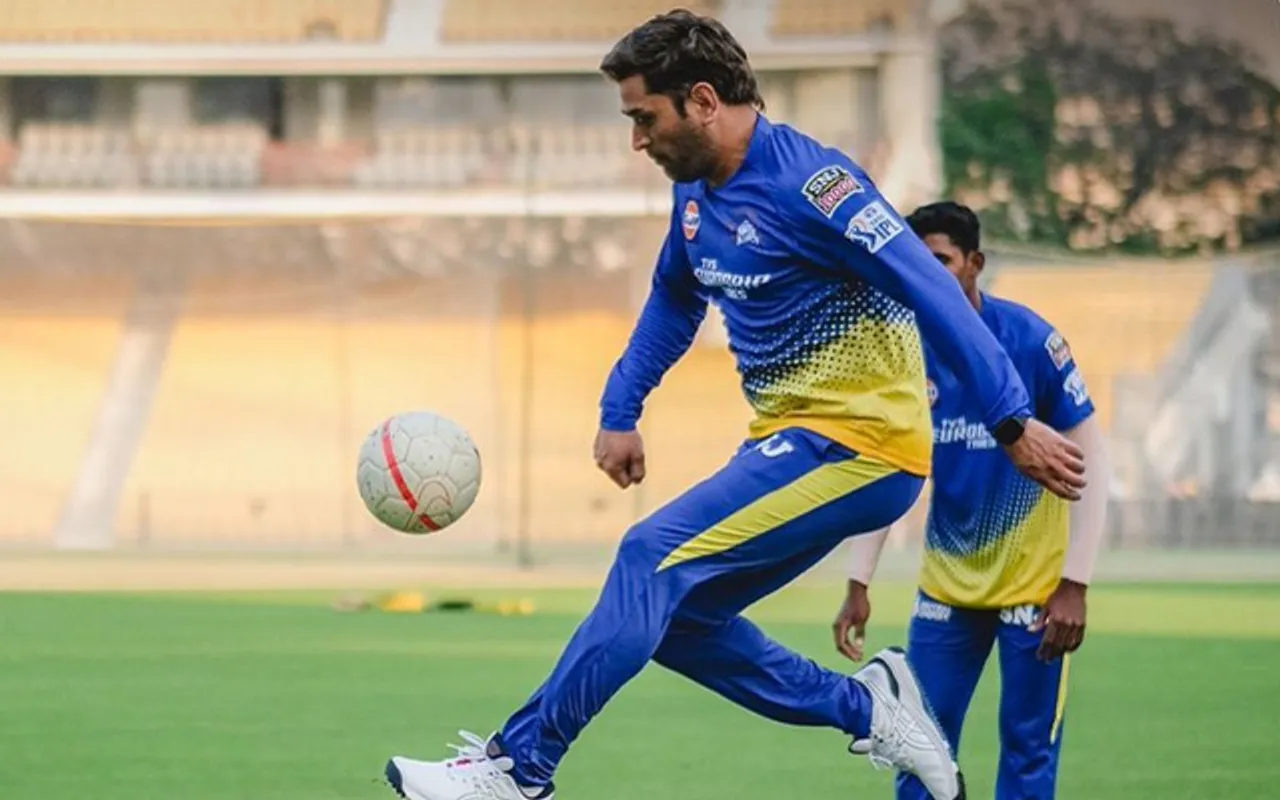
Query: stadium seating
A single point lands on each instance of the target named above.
(522, 154)
(216, 156)
(55, 355)
(550, 20)
(1119, 319)
(206, 21)
(567, 155)
(86, 156)
(442, 156)
(836, 17)
(52, 154)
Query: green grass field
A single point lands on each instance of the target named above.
(271, 696)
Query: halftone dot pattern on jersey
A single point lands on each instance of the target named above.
(991, 521)
(1009, 553)
(839, 345)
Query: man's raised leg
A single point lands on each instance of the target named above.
(712, 645)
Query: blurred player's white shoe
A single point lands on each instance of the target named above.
(480, 771)
(904, 734)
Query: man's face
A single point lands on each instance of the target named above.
(964, 266)
(677, 143)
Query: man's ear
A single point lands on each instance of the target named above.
(979, 260)
(703, 102)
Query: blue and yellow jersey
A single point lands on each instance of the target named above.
(995, 538)
(824, 292)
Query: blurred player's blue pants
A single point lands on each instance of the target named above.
(947, 647)
(682, 576)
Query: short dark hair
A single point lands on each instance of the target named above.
(953, 219)
(676, 50)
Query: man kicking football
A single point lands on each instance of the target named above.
(1004, 560)
(822, 288)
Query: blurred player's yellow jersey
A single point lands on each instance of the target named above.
(995, 538)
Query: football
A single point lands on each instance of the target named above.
(418, 472)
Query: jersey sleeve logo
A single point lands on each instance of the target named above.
(1058, 349)
(873, 227)
(933, 392)
(1074, 386)
(691, 220)
(830, 186)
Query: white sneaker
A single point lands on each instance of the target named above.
(480, 771)
(904, 734)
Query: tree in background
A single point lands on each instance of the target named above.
(1067, 125)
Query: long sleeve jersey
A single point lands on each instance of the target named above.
(825, 292)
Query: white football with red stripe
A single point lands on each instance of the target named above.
(419, 472)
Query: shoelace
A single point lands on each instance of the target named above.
(473, 765)
(474, 749)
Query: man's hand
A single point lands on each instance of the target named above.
(1050, 459)
(1062, 619)
(853, 616)
(621, 456)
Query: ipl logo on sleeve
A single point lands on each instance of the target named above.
(1074, 386)
(873, 227)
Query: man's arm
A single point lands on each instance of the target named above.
(1065, 614)
(666, 327)
(864, 554)
(1062, 401)
(1088, 518)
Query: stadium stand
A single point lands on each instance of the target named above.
(836, 17)
(1118, 319)
(207, 157)
(57, 345)
(205, 22)
(443, 156)
(239, 155)
(583, 155)
(550, 20)
(53, 154)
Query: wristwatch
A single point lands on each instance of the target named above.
(1009, 430)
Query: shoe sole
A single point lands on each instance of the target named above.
(394, 779)
(904, 679)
